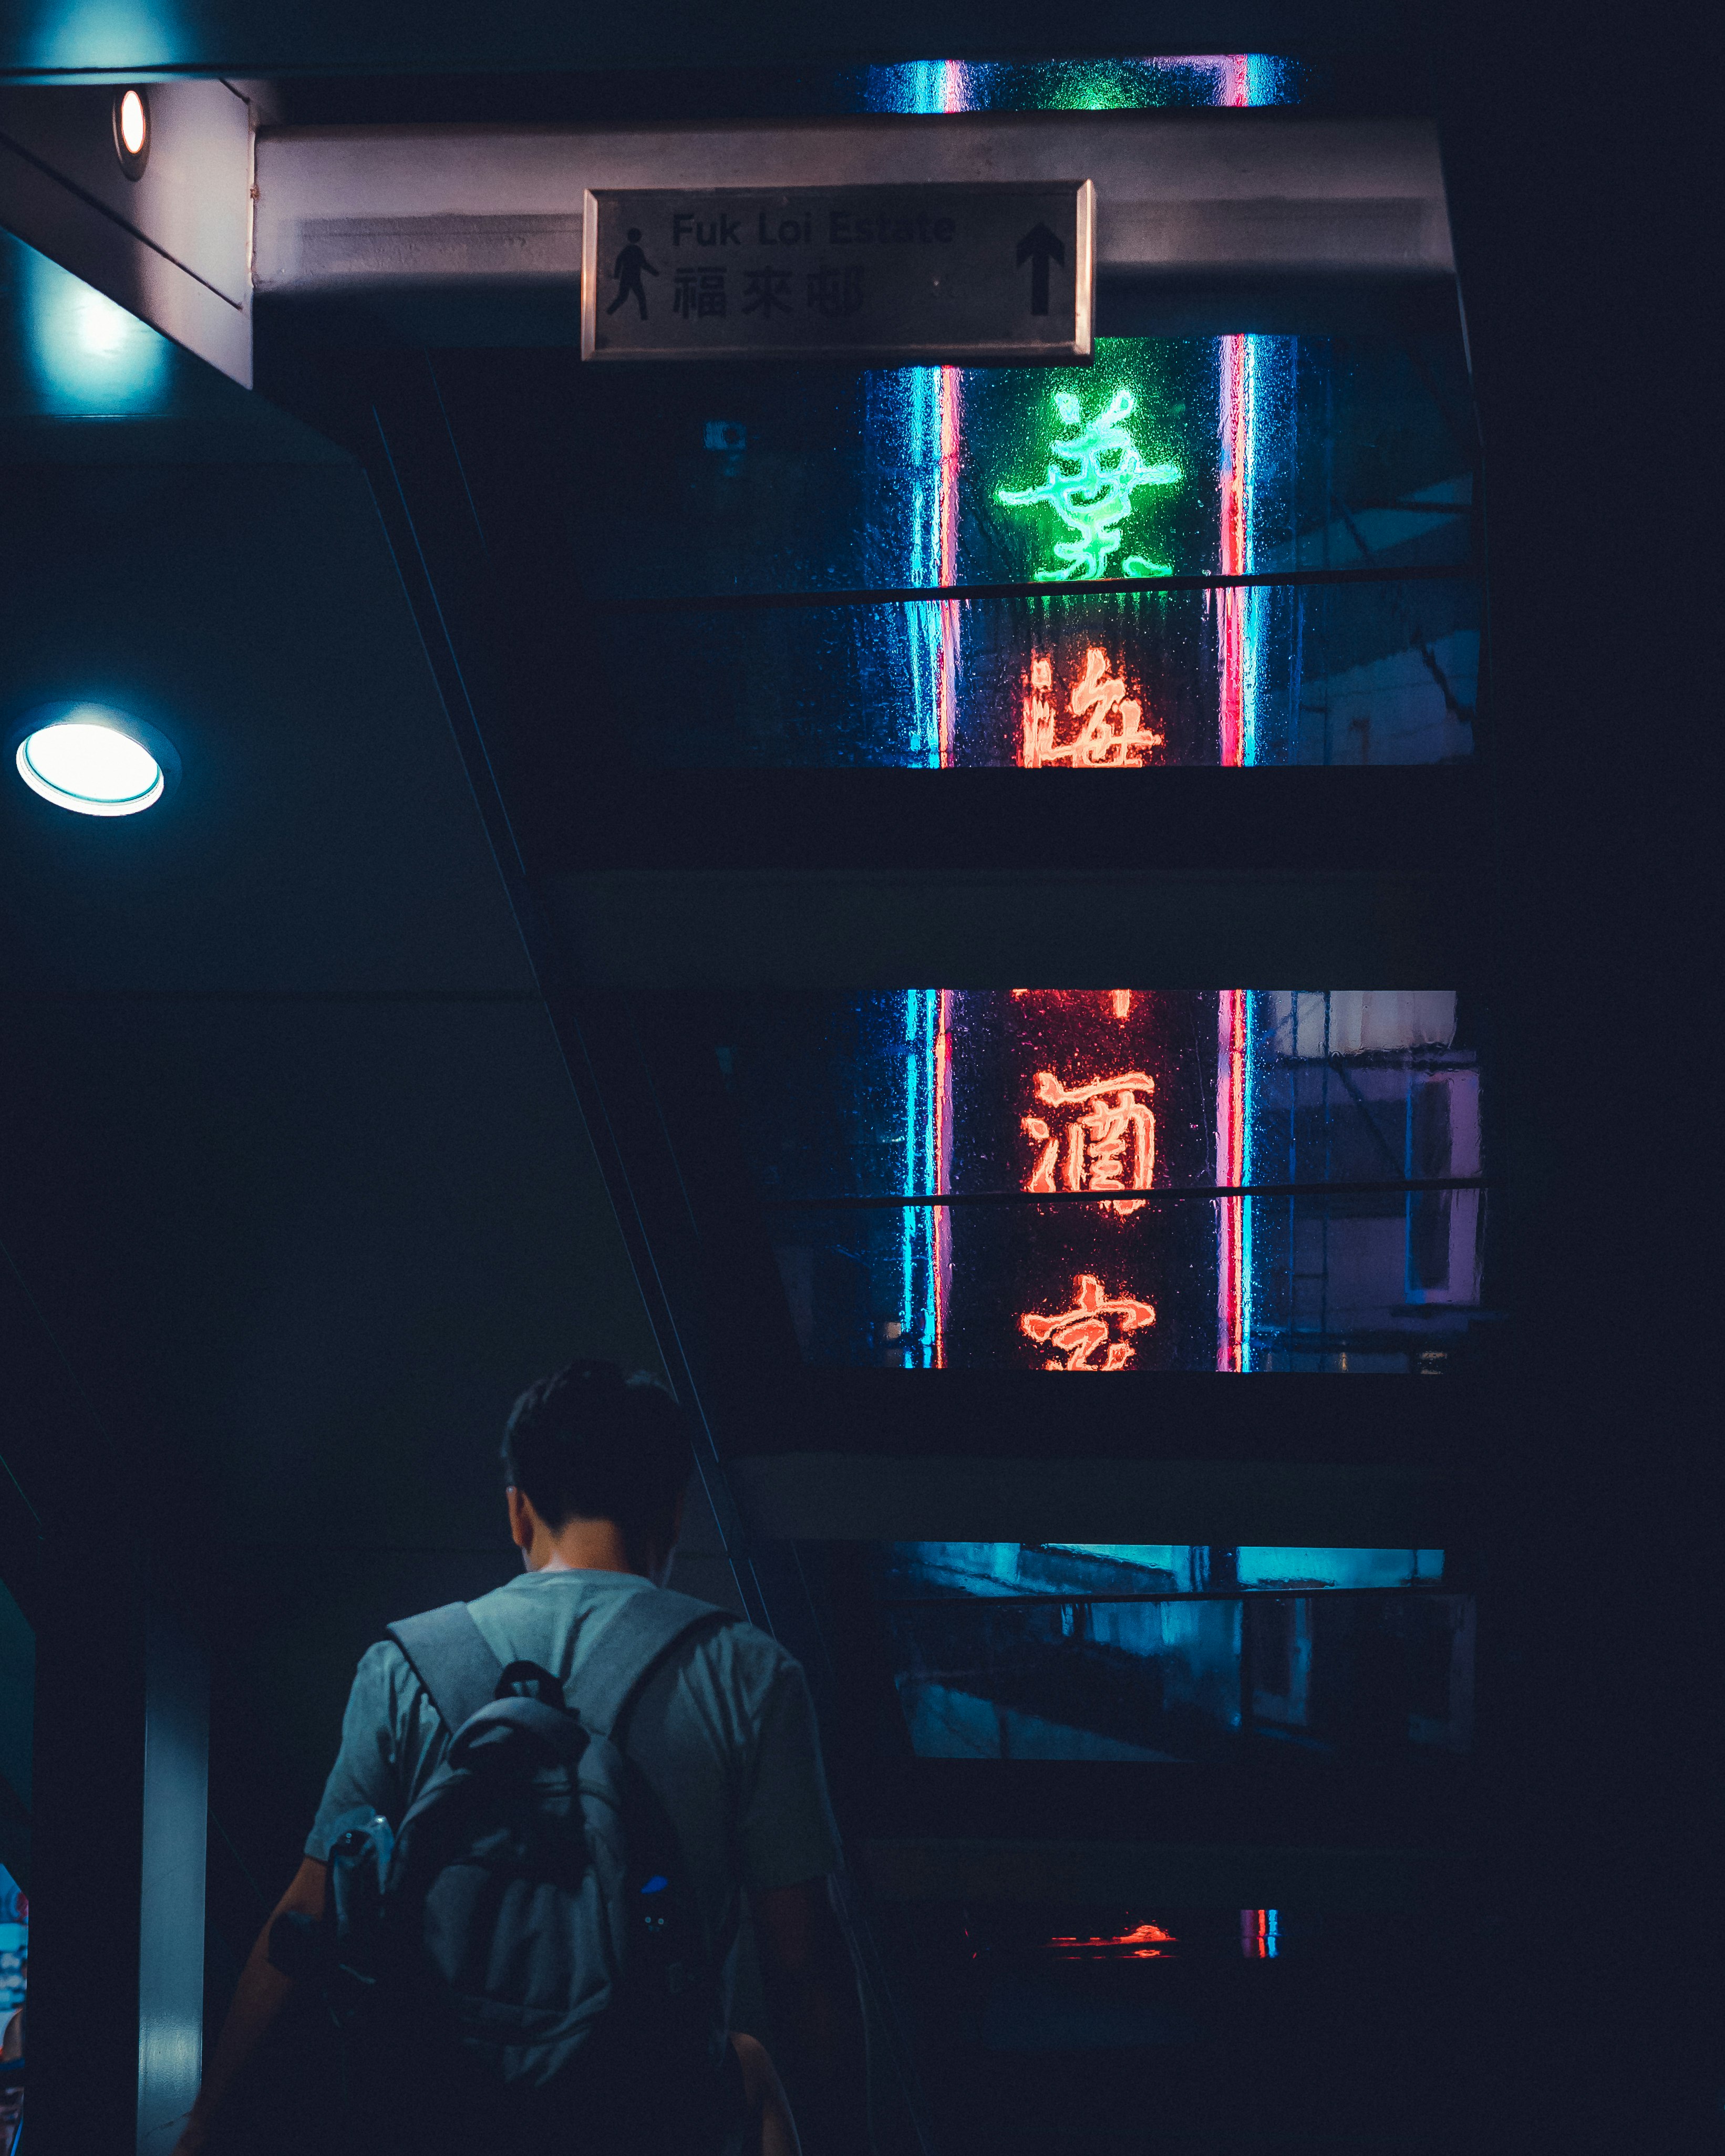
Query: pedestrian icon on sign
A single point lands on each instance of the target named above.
(630, 264)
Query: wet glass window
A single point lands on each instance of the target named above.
(1129, 1181)
(1376, 673)
(1164, 1654)
(1332, 471)
(697, 515)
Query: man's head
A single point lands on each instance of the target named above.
(590, 1446)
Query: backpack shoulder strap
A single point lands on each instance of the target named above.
(632, 1647)
(447, 1652)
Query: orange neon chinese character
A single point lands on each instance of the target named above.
(1093, 1149)
(1123, 999)
(1078, 1332)
(1111, 736)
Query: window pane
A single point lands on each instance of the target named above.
(1012, 1651)
(1324, 1111)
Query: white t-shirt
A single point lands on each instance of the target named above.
(723, 1732)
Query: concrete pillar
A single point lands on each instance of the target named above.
(117, 1859)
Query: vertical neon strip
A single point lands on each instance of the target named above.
(935, 428)
(933, 1314)
(1232, 1005)
(1234, 398)
(1257, 1935)
(947, 393)
(907, 1226)
(947, 93)
(942, 1215)
(1241, 79)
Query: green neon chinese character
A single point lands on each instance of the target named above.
(1094, 498)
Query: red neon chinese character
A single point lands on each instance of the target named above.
(1078, 1332)
(1111, 736)
(1093, 1151)
(1131, 1944)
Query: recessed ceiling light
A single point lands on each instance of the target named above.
(94, 761)
(132, 132)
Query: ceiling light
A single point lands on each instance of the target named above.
(132, 132)
(94, 761)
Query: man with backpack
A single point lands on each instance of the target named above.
(521, 1891)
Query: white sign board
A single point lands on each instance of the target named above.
(1000, 274)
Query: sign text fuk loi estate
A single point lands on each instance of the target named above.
(844, 227)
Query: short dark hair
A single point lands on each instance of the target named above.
(589, 1443)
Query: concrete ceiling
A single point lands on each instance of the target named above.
(57, 38)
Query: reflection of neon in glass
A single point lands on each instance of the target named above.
(1286, 1567)
(1111, 736)
(1095, 1144)
(926, 1248)
(1233, 1250)
(1257, 1935)
(1094, 498)
(1136, 1943)
(1078, 1332)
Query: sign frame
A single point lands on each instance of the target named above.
(1026, 272)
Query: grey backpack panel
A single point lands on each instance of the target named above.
(540, 1945)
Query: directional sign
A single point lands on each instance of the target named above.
(989, 275)
(1039, 247)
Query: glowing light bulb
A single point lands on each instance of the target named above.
(86, 763)
(133, 124)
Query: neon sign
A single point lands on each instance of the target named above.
(1077, 1333)
(1095, 1144)
(1094, 497)
(1121, 998)
(1111, 733)
(1136, 1943)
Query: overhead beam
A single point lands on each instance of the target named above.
(1183, 198)
(998, 928)
(170, 245)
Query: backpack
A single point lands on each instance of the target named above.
(526, 1967)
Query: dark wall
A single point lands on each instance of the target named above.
(1570, 159)
(296, 1190)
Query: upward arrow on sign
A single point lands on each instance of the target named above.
(1038, 248)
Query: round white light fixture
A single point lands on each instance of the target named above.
(132, 132)
(94, 761)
